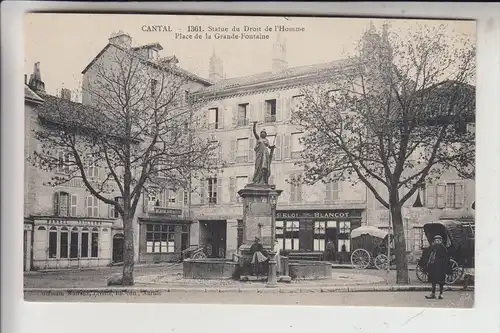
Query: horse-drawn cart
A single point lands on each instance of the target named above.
(369, 248)
(458, 237)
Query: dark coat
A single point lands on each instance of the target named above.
(256, 247)
(438, 264)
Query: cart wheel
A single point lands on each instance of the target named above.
(381, 262)
(458, 272)
(199, 255)
(360, 259)
(421, 274)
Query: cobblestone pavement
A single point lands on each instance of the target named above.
(172, 274)
(452, 299)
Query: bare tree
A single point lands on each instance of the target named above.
(394, 119)
(140, 132)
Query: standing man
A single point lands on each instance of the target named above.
(437, 266)
(258, 258)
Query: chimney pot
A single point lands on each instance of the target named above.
(66, 94)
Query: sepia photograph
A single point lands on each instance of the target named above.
(257, 160)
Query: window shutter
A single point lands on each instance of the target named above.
(335, 190)
(206, 118)
(56, 204)
(286, 109)
(292, 190)
(277, 151)
(202, 191)
(286, 147)
(74, 205)
(219, 191)
(222, 112)
(459, 195)
(299, 192)
(251, 153)
(235, 115)
(431, 196)
(144, 202)
(328, 193)
(279, 108)
(441, 196)
(96, 207)
(180, 197)
(232, 189)
(220, 156)
(87, 206)
(233, 151)
(251, 113)
(262, 111)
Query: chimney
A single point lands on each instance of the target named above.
(121, 39)
(216, 70)
(279, 55)
(36, 84)
(66, 94)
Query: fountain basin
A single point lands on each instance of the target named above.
(210, 268)
(310, 270)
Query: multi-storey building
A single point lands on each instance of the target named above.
(72, 228)
(307, 216)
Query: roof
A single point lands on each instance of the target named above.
(294, 72)
(149, 62)
(31, 96)
(155, 45)
(368, 230)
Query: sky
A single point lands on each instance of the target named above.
(65, 44)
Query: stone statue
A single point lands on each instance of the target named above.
(263, 156)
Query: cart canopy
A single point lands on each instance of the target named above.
(369, 230)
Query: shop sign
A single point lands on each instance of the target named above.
(337, 214)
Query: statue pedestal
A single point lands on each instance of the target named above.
(258, 220)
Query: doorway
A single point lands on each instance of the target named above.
(216, 239)
(331, 234)
(118, 248)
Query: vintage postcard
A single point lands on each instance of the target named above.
(249, 160)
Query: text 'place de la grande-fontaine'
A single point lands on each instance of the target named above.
(65, 226)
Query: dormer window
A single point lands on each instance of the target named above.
(153, 54)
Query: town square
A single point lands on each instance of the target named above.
(160, 170)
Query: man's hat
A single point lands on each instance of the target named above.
(257, 238)
(438, 237)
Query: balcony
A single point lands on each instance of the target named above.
(243, 122)
(270, 118)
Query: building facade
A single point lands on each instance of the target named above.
(67, 227)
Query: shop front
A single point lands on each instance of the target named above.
(162, 239)
(311, 230)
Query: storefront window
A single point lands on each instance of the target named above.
(319, 236)
(184, 237)
(160, 238)
(63, 250)
(344, 237)
(52, 242)
(95, 243)
(287, 235)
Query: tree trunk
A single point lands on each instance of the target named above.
(128, 251)
(399, 244)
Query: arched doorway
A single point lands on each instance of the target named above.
(118, 248)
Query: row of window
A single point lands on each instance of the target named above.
(160, 238)
(448, 195)
(75, 243)
(211, 189)
(287, 235)
(271, 110)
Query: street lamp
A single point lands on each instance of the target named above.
(272, 279)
